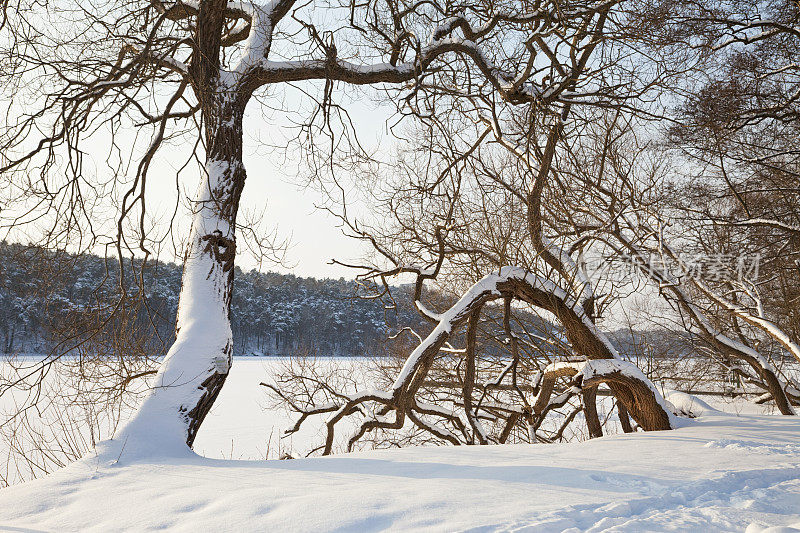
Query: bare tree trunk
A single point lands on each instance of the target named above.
(624, 419)
(570, 272)
(629, 384)
(197, 364)
(589, 400)
(714, 338)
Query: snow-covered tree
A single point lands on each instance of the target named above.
(199, 64)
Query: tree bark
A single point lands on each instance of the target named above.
(586, 340)
(714, 338)
(624, 419)
(593, 425)
(196, 366)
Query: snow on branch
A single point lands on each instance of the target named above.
(670, 285)
(590, 373)
(456, 35)
(389, 410)
(791, 228)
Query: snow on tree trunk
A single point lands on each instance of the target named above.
(197, 364)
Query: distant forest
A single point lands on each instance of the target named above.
(43, 294)
(49, 301)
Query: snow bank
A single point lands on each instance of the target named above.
(695, 478)
(687, 405)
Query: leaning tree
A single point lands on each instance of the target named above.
(486, 186)
(733, 134)
(735, 126)
(193, 66)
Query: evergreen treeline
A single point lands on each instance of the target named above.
(43, 292)
(51, 300)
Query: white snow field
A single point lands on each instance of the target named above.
(720, 472)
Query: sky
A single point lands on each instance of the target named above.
(277, 192)
(290, 205)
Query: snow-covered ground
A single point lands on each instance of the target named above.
(243, 424)
(721, 472)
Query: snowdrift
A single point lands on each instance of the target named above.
(720, 472)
